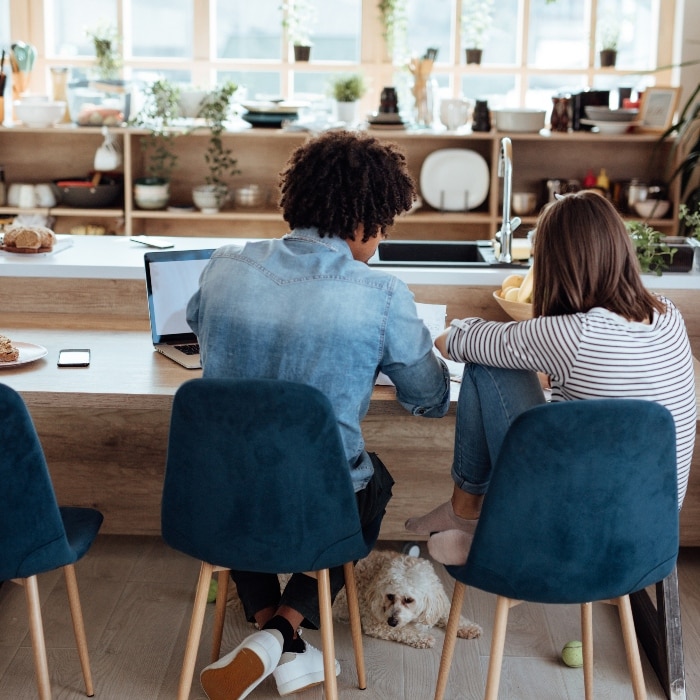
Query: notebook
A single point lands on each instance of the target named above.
(172, 277)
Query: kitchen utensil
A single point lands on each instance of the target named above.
(524, 202)
(80, 192)
(108, 156)
(45, 195)
(652, 208)
(454, 179)
(26, 196)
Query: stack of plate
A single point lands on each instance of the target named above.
(610, 121)
(385, 120)
(271, 114)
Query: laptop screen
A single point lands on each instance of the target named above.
(172, 277)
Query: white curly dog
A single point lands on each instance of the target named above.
(401, 599)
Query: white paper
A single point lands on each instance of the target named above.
(434, 316)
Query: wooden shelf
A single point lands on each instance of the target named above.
(68, 151)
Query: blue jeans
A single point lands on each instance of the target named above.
(490, 399)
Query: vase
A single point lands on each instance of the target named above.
(151, 192)
(347, 111)
(473, 55)
(59, 89)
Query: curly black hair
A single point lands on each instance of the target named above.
(341, 179)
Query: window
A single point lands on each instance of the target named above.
(532, 50)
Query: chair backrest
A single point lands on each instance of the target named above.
(32, 535)
(582, 505)
(257, 478)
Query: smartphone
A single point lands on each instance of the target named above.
(153, 241)
(74, 357)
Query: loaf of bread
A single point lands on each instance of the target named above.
(29, 237)
(8, 352)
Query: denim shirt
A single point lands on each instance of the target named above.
(301, 308)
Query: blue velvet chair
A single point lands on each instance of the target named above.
(35, 534)
(257, 480)
(582, 507)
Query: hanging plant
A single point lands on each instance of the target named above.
(106, 42)
(394, 17)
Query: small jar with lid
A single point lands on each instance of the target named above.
(481, 116)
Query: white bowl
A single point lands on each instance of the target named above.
(520, 119)
(39, 114)
(608, 127)
(605, 114)
(652, 208)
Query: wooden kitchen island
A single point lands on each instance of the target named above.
(104, 428)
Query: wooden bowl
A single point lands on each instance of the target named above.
(517, 310)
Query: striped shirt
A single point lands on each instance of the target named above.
(596, 355)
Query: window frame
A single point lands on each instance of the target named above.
(27, 19)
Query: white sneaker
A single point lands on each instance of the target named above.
(234, 676)
(299, 671)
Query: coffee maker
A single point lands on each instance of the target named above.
(586, 98)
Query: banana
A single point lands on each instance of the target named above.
(525, 291)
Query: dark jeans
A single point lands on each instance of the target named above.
(259, 591)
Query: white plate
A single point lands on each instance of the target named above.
(608, 127)
(454, 179)
(28, 352)
(275, 107)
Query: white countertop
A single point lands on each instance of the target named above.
(118, 257)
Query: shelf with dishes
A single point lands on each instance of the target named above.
(456, 176)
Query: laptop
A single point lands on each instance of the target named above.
(172, 277)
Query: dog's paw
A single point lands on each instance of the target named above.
(426, 642)
(468, 630)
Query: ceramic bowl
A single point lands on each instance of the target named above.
(39, 114)
(250, 196)
(652, 208)
(519, 119)
(517, 310)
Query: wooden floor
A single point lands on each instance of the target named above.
(137, 597)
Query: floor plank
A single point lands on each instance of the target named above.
(137, 596)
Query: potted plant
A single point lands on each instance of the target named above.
(160, 109)
(394, 17)
(347, 91)
(215, 111)
(653, 252)
(102, 97)
(609, 38)
(477, 18)
(298, 19)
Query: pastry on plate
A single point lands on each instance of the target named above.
(29, 239)
(8, 352)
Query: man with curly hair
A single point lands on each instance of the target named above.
(307, 308)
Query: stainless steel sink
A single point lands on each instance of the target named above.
(436, 253)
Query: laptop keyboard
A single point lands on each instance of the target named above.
(189, 349)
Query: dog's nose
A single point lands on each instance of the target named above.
(392, 622)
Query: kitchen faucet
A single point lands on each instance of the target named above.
(508, 225)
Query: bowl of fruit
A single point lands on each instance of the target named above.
(515, 296)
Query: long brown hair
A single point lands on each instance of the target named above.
(583, 258)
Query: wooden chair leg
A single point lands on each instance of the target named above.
(587, 641)
(195, 633)
(631, 647)
(41, 665)
(448, 646)
(355, 624)
(324, 602)
(222, 580)
(76, 612)
(498, 641)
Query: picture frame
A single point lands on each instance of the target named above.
(658, 107)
